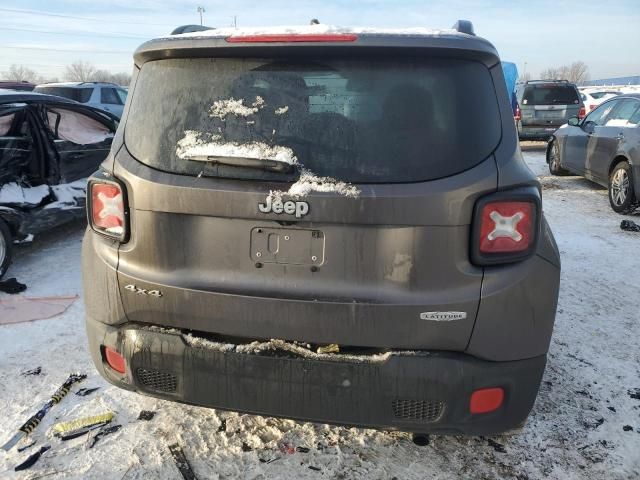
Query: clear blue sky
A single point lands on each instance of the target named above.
(46, 35)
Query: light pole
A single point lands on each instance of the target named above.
(200, 11)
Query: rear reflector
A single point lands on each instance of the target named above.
(115, 360)
(486, 400)
(506, 227)
(106, 209)
(517, 115)
(292, 38)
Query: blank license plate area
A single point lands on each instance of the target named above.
(287, 246)
(549, 114)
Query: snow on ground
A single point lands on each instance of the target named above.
(576, 431)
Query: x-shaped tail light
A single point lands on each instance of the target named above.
(506, 226)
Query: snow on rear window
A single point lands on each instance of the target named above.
(202, 144)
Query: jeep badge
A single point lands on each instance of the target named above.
(300, 209)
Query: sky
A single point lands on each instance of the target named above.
(46, 35)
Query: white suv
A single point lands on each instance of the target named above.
(106, 96)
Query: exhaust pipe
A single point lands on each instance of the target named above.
(420, 439)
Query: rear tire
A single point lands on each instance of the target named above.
(553, 159)
(622, 195)
(6, 247)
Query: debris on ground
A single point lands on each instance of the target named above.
(81, 426)
(331, 348)
(12, 286)
(629, 226)
(246, 447)
(627, 428)
(223, 425)
(33, 371)
(26, 309)
(26, 445)
(317, 469)
(83, 392)
(32, 459)
(146, 415)
(102, 432)
(287, 448)
(634, 393)
(35, 420)
(302, 449)
(181, 462)
(498, 447)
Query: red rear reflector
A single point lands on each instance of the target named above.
(107, 209)
(486, 400)
(115, 360)
(288, 38)
(506, 227)
(582, 113)
(517, 116)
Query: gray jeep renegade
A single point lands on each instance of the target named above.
(323, 224)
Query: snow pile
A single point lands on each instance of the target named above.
(68, 194)
(196, 144)
(14, 194)
(310, 182)
(318, 29)
(282, 110)
(231, 106)
(295, 348)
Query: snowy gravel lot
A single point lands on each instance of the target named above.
(585, 424)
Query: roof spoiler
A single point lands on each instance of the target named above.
(190, 28)
(464, 26)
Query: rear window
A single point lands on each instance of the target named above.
(81, 95)
(550, 95)
(362, 121)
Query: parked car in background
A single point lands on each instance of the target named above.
(296, 223)
(544, 105)
(17, 85)
(593, 98)
(106, 96)
(604, 148)
(48, 147)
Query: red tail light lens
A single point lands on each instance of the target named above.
(505, 227)
(518, 115)
(115, 360)
(582, 113)
(107, 209)
(486, 400)
(287, 38)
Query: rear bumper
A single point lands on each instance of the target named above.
(426, 393)
(536, 132)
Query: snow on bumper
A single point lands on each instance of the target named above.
(424, 392)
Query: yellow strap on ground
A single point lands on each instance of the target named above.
(82, 422)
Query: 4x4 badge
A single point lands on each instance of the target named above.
(300, 209)
(143, 291)
(443, 316)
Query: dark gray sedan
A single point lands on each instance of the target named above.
(604, 148)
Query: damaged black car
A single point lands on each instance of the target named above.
(48, 147)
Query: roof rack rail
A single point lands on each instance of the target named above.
(107, 83)
(548, 80)
(464, 26)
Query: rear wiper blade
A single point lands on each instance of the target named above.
(246, 162)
